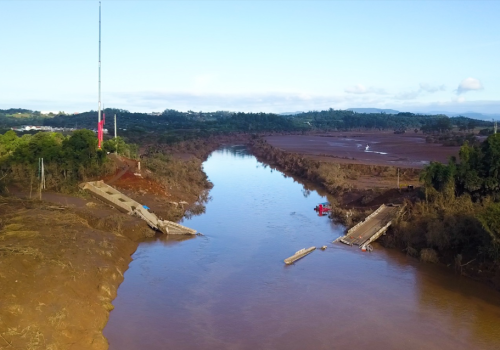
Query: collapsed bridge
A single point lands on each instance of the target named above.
(131, 207)
(372, 227)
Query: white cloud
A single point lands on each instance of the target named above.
(361, 89)
(246, 102)
(469, 84)
(277, 102)
(431, 88)
(424, 87)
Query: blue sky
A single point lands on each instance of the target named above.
(272, 56)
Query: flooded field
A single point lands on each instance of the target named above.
(230, 289)
(376, 148)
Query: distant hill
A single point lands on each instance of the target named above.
(472, 115)
(373, 110)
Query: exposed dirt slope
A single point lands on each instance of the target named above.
(60, 267)
(62, 260)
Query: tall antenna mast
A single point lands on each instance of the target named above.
(99, 110)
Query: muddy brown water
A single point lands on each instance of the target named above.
(230, 288)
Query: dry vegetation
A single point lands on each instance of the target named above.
(335, 178)
(357, 189)
(330, 175)
(449, 230)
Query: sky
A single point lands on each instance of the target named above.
(251, 56)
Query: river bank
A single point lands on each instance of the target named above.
(61, 262)
(355, 189)
(68, 254)
(63, 258)
(60, 268)
(426, 231)
(230, 288)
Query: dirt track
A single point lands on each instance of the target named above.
(385, 148)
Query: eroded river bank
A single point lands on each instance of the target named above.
(231, 290)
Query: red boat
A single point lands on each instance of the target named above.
(323, 208)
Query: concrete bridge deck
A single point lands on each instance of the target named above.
(372, 227)
(130, 206)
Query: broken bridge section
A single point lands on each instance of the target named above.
(130, 206)
(372, 227)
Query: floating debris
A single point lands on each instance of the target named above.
(298, 255)
(367, 248)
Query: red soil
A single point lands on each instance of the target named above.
(137, 185)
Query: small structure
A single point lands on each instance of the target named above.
(131, 207)
(299, 255)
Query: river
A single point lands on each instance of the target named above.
(230, 289)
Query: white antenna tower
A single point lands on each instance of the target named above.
(99, 106)
(495, 127)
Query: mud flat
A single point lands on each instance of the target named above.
(60, 267)
(62, 259)
(61, 262)
(384, 148)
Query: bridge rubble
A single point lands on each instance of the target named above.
(372, 227)
(127, 205)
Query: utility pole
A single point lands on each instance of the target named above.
(398, 179)
(42, 175)
(99, 103)
(116, 140)
(495, 127)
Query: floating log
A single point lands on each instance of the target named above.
(299, 255)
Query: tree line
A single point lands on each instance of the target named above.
(459, 214)
(68, 160)
(223, 122)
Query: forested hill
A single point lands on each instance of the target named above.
(348, 120)
(224, 122)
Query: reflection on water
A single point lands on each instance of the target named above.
(167, 240)
(239, 151)
(230, 288)
(199, 206)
